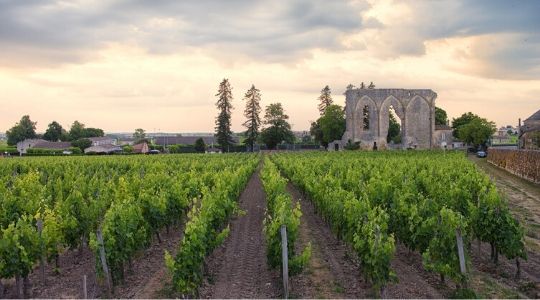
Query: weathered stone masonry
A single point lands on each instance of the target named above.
(415, 108)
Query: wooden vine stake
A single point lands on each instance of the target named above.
(285, 260)
(85, 291)
(461, 253)
(104, 261)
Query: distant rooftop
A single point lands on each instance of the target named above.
(534, 117)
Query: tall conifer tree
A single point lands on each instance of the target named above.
(326, 99)
(223, 120)
(252, 111)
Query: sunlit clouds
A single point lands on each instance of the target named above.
(120, 65)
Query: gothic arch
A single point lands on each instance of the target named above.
(373, 130)
(415, 109)
(384, 116)
(418, 120)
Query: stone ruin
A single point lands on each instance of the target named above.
(368, 113)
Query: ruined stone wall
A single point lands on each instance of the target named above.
(415, 109)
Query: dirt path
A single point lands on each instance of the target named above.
(524, 202)
(523, 197)
(333, 273)
(145, 280)
(238, 268)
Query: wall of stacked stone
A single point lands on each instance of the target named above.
(523, 163)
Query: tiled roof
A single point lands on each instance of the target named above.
(534, 117)
(52, 145)
(100, 138)
(103, 149)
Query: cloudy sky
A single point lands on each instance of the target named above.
(157, 64)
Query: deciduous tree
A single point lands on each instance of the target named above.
(462, 120)
(24, 129)
(278, 128)
(54, 132)
(200, 146)
(477, 132)
(332, 123)
(82, 143)
(441, 118)
(139, 135)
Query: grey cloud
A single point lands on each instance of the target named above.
(433, 20)
(262, 29)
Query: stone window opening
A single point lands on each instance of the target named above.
(394, 127)
(365, 113)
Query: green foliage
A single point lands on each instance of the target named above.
(476, 132)
(364, 227)
(52, 234)
(19, 248)
(130, 198)
(179, 148)
(442, 255)
(53, 152)
(139, 135)
(8, 149)
(223, 120)
(332, 123)
(316, 131)
(24, 129)
(278, 129)
(325, 100)
(204, 230)
(441, 118)
(463, 293)
(82, 143)
(79, 131)
(464, 119)
(200, 146)
(125, 231)
(54, 132)
(125, 149)
(394, 130)
(280, 211)
(420, 198)
(252, 111)
(76, 131)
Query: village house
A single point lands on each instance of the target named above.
(103, 149)
(209, 140)
(529, 133)
(103, 140)
(141, 148)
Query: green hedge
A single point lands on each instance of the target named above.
(47, 152)
(8, 149)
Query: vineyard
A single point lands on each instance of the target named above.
(374, 200)
(115, 206)
(213, 222)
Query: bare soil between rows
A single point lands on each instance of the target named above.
(238, 268)
(524, 202)
(334, 271)
(145, 279)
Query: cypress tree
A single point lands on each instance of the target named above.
(252, 111)
(326, 99)
(223, 120)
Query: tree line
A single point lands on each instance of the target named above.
(272, 130)
(78, 133)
